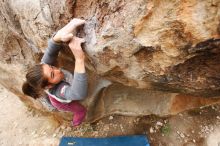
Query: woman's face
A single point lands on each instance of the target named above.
(53, 74)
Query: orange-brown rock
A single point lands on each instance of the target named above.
(158, 46)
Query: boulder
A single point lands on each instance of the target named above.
(143, 57)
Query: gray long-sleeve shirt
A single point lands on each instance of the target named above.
(74, 86)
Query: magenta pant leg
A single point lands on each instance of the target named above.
(75, 107)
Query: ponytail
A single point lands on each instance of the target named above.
(30, 91)
(35, 82)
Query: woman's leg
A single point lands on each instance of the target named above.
(75, 107)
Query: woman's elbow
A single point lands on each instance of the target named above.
(79, 96)
(82, 96)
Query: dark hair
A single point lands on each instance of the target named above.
(35, 81)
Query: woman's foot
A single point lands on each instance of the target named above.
(66, 33)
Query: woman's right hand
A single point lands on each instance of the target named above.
(75, 46)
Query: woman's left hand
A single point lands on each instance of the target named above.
(66, 33)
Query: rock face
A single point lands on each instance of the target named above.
(165, 45)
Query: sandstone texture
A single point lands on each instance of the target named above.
(143, 56)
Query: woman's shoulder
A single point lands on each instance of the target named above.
(68, 76)
(59, 89)
(58, 92)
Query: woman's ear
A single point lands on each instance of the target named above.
(49, 86)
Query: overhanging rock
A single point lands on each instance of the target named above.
(150, 50)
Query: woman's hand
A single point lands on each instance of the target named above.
(75, 46)
(67, 32)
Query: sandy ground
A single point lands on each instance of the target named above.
(20, 125)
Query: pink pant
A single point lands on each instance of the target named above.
(75, 107)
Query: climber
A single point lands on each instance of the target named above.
(63, 89)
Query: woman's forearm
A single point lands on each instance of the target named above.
(51, 52)
(80, 66)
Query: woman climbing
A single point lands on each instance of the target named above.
(63, 88)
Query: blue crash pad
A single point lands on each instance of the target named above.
(134, 140)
